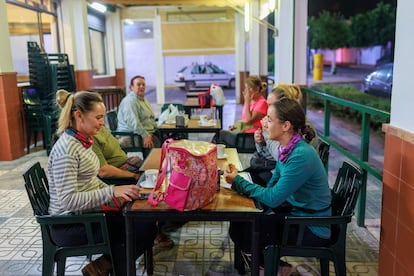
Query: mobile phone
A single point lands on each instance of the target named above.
(143, 195)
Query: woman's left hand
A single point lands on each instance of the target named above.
(230, 173)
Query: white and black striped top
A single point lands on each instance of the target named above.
(72, 175)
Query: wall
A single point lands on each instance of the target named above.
(397, 221)
(397, 218)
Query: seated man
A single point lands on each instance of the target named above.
(135, 115)
(115, 163)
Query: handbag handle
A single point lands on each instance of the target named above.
(153, 198)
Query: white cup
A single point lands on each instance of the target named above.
(220, 150)
(203, 118)
(151, 175)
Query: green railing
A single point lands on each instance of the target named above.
(362, 160)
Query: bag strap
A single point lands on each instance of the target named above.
(154, 198)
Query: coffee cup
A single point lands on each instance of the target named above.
(220, 150)
(151, 175)
(203, 118)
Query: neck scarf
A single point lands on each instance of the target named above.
(86, 142)
(284, 152)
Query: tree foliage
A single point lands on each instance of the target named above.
(376, 27)
(329, 30)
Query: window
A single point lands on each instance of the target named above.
(97, 37)
(98, 54)
(28, 23)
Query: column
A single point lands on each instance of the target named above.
(240, 52)
(11, 112)
(159, 60)
(75, 38)
(290, 44)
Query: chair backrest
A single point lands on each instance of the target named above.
(112, 118)
(245, 143)
(346, 189)
(37, 189)
(179, 106)
(323, 150)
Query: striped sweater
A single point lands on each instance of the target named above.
(72, 175)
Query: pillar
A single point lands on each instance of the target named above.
(12, 135)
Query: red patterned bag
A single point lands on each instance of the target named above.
(188, 175)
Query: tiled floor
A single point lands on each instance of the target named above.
(201, 248)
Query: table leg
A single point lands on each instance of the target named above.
(130, 242)
(255, 248)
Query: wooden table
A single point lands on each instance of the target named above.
(193, 126)
(227, 205)
(192, 103)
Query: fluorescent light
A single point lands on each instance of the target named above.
(272, 5)
(246, 17)
(128, 22)
(99, 7)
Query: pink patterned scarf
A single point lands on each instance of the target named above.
(284, 152)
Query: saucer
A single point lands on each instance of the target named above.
(223, 157)
(170, 122)
(147, 184)
(207, 123)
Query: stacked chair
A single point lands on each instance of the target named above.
(48, 73)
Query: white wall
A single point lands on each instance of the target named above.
(402, 93)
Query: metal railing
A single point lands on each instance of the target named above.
(362, 160)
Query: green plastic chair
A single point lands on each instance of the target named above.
(344, 197)
(136, 140)
(245, 143)
(323, 150)
(38, 191)
(179, 106)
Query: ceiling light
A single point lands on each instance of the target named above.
(99, 7)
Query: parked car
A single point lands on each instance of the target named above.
(203, 75)
(379, 82)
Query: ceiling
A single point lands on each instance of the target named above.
(209, 3)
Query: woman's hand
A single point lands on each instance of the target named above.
(148, 143)
(128, 192)
(258, 136)
(230, 173)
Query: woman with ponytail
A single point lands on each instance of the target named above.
(299, 179)
(74, 186)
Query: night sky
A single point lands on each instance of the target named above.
(346, 7)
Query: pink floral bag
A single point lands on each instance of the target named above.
(188, 175)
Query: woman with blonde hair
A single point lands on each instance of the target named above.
(74, 186)
(254, 110)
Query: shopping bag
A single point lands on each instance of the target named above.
(217, 93)
(188, 175)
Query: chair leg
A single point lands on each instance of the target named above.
(271, 260)
(324, 263)
(340, 264)
(48, 263)
(61, 263)
(238, 260)
(149, 261)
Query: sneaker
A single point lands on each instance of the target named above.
(164, 241)
(99, 267)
